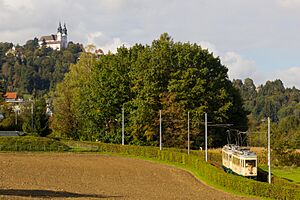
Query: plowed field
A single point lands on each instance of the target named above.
(94, 176)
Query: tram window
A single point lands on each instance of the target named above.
(251, 163)
(236, 161)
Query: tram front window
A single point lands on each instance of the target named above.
(250, 163)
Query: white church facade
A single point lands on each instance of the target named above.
(58, 41)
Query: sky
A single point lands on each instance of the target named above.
(259, 39)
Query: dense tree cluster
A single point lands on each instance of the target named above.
(282, 105)
(174, 77)
(32, 69)
(270, 100)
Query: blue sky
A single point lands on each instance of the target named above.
(259, 39)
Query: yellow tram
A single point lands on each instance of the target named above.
(239, 160)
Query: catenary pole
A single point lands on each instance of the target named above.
(189, 133)
(16, 117)
(32, 116)
(205, 137)
(269, 151)
(160, 134)
(123, 135)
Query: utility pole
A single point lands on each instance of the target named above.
(16, 117)
(160, 134)
(188, 133)
(269, 151)
(32, 116)
(205, 137)
(123, 135)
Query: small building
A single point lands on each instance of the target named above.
(12, 97)
(56, 41)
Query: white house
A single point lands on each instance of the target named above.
(58, 41)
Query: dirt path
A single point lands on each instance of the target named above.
(92, 176)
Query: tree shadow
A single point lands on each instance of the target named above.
(50, 194)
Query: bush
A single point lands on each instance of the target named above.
(30, 143)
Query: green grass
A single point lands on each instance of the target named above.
(188, 169)
(290, 173)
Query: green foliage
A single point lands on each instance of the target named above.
(174, 77)
(2, 92)
(67, 120)
(270, 100)
(8, 123)
(40, 124)
(282, 105)
(108, 90)
(29, 68)
(29, 143)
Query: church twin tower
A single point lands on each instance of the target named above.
(58, 41)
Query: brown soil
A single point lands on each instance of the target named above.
(94, 176)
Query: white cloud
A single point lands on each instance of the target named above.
(290, 77)
(18, 4)
(105, 42)
(239, 67)
(289, 3)
(210, 47)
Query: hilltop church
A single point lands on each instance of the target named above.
(58, 41)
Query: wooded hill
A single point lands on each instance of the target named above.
(30, 69)
(270, 100)
(282, 105)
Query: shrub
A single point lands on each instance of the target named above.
(30, 143)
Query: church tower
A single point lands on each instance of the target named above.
(64, 39)
(59, 32)
(56, 41)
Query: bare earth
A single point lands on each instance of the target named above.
(94, 176)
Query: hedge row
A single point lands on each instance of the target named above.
(29, 143)
(215, 175)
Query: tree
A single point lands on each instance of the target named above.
(40, 118)
(175, 122)
(108, 91)
(68, 96)
(2, 91)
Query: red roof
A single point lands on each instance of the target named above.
(10, 95)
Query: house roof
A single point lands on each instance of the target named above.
(48, 37)
(99, 51)
(10, 95)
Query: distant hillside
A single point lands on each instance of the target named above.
(282, 105)
(270, 100)
(30, 69)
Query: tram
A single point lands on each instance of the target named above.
(239, 160)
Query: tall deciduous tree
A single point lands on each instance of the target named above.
(67, 121)
(108, 91)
